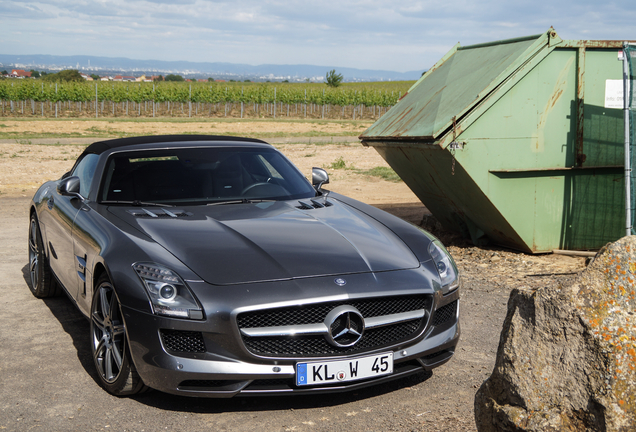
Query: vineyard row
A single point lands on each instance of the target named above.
(370, 94)
(104, 108)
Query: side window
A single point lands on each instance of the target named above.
(85, 170)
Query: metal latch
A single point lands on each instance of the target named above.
(455, 145)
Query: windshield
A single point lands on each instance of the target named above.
(201, 176)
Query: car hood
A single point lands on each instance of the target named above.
(239, 243)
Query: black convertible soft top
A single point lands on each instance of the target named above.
(102, 146)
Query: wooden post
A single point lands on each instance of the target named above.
(323, 103)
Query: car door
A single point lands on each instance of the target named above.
(58, 219)
(88, 240)
(67, 262)
(81, 238)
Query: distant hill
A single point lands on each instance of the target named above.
(121, 65)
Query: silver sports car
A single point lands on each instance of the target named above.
(209, 266)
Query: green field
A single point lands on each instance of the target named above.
(234, 99)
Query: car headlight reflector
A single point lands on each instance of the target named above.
(445, 265)
(169, 295)
(167, 292)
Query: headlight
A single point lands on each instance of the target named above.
(445, 266)
(169, 295)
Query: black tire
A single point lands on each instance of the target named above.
(109, 345)
(43, 283)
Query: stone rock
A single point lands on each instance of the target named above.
(566, 359)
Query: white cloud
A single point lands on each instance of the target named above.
(366, 34)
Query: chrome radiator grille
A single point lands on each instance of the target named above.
(300, 331)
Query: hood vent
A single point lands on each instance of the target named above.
(159, 213)
(313, 204)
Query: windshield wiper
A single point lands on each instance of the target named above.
(241, 201)
(137, 203)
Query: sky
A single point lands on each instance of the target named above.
(364, 34)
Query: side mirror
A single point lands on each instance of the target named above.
(319, 177)
(70, 186)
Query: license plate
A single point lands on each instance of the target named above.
(327, 372)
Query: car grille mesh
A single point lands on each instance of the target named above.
(445, 313)
(178, 341)
(317, 345)
(317, 313)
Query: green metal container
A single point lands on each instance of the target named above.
(516, 142)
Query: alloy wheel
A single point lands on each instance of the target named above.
(34, 254)
(108, 333)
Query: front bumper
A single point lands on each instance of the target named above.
(225, 371)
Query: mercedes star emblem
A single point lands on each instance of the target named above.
(346, 325)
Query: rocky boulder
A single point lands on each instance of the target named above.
(567, 354)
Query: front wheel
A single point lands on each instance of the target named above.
(111, 354)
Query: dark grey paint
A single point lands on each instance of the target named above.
(236, 257)
(277, 239)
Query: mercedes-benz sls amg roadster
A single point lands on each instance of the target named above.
(210, 266)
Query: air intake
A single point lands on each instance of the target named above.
(313, 204)
(159, 213)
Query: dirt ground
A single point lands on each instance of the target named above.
(114, 128)
(47, 380)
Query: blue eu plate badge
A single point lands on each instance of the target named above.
(301, 374)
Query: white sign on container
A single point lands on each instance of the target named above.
(614, 94)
